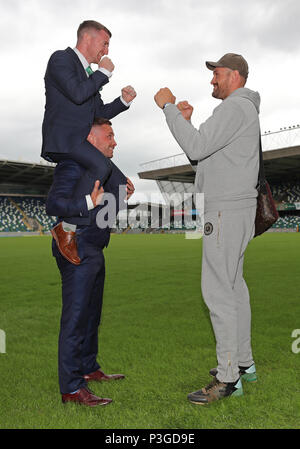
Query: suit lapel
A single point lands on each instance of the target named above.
(76, 60)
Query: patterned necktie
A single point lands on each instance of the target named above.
(90, 72)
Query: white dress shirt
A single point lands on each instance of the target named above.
(101, 69)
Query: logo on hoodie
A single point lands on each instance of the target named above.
(208, 228)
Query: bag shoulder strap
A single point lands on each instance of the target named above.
(261, 172)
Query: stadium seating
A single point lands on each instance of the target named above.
(35, 208)
(287, 222)
(24, 214)
(288, 192)
(11, 219)
(27, 214)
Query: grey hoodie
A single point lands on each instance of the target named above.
(226, 147)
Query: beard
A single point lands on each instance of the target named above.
(220, 93)
(217, 93)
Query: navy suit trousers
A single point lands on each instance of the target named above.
(98, 167)
(82, 292)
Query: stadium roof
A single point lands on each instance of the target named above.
(280, 165)
(27, 174)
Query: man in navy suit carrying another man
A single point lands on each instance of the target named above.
(73, 101)
(82, 285)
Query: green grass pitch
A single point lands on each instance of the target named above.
(156, 330)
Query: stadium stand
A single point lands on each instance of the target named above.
(24, 187)
(287, 222)
(28, 214)
(24, 214)
(176, 174)
(11, 219)
(35, 209)
(286, 192)
(23, 191)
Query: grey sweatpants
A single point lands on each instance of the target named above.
(226, 236)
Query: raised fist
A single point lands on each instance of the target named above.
(106, 63)
(186, 109)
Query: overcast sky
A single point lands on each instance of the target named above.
(155, 43)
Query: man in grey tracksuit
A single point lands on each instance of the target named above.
(226, 147)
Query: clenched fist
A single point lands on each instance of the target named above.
(106, 63)
(128, 93)
(164, 96)
(186, 109)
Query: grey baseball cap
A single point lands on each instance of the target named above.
(231, 61)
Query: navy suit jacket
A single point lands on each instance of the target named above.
(73, 102)
(62, 203)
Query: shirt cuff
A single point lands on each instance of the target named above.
(124, 102)
(105, 71)
(89, 202)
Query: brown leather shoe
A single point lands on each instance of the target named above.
(85, 397)
(99, 376)
(66, 243)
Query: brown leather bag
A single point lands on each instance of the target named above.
(266, 213)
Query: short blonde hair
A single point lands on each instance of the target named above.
(91, 25)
